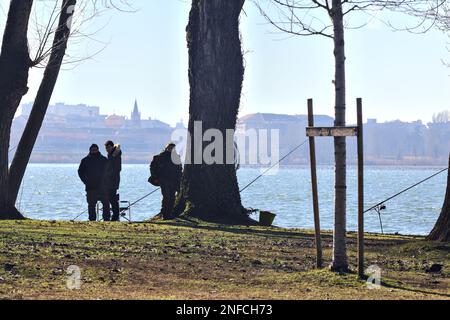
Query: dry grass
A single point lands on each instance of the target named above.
(193, 260)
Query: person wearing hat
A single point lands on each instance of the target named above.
(166, 172)
(91, 172)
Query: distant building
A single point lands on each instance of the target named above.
(136, 116)
(62, 115)
(69, 130)
(292, 131)
(63, 110)
(180, 125)
(394, 140)
(114, 121)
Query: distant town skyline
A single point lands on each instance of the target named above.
(399, 75)
(68, 130)
(136, 107)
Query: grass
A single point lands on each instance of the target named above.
(193, 260)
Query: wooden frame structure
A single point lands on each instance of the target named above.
(312, 132)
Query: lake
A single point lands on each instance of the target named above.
(54, 192)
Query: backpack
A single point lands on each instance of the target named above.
(155, 171)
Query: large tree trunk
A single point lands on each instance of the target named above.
(14, 66)
(340, 262)
(7, 211)
(210, 191)
(37, 115)
(441, 231)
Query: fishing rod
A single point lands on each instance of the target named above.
(12, 149)
(243, 189)
(261, 175)
(378, 207)
(405, 190)
(124, 209)
(73, 220)
(137, 201)
(381, 205)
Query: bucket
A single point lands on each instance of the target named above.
(266, 218)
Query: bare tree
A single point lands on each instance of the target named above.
(36, 118)
(441, 231)
(327, 18)
(15, 63)
(14, 67)
(210, 191)
(439, 16)
(441, 117)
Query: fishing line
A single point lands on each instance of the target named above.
(381, 205)
(243, 189)
(263, 174)
(137, 201)
(21, 194)
(405, 190)
(124, 209)
(12, 149)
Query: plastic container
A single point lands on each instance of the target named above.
(266, 218)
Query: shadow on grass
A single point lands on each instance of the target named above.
(187, 222)
(393, 286)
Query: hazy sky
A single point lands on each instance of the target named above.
(399, 75)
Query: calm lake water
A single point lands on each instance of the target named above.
(54, 192)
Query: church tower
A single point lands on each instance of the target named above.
(136, 116)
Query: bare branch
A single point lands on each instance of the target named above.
(45, 26)
(293, 17)
(303, 17)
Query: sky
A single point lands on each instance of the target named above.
(143, 56)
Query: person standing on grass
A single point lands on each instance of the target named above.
(111, 181)
(91, 171)
(166, 170)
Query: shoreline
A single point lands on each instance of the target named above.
(281, 166)
(293, 229)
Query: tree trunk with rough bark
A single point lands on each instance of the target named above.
(14, 67)
(210, 191)
(37, 115)
(340, 262)
(441, 231)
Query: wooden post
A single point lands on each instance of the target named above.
(312, 153)
(360, 190)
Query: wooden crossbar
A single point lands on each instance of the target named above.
(332, 131)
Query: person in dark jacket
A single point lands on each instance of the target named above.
(169, 178)
(111, 181)
(91, 171)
